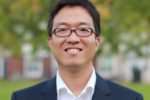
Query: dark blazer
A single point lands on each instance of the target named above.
(104, 90)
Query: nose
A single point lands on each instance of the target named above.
(73, 39)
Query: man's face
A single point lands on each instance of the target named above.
(73, 50)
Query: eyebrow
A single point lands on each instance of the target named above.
(67, 24)
(61, 23)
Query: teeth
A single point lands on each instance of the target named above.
(73, 51)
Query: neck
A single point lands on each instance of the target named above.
(76, 78)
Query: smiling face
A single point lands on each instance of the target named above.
(73, 51)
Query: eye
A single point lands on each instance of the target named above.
(84, 30)
(61, 30)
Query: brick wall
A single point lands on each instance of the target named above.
(14, 68)
(47, 67)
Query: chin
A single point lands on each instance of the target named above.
(72, 64)
(74, 68)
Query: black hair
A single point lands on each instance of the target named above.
(86, 4)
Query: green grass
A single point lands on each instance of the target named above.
(7, 87)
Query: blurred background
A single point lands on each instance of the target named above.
(123, 56)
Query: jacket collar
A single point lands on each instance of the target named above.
(49, 90)
(102, 90)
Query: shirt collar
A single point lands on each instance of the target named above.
(90, 85)
(60, 83)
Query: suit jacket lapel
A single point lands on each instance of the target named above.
(102, 90)
(49, 90)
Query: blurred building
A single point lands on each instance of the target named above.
(38, 66)
(127, 67)
(130, 69)
(16, 69)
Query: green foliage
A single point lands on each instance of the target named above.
(125, 16)
(24, 21)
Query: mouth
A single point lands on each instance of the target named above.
(73, 51)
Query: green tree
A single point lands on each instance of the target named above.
(23, 21)
(125, 21)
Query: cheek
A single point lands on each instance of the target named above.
(90, 43)
(90, 48)
(57, 45)
(93, 47)
(56, 41)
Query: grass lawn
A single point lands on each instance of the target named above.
(7, 87)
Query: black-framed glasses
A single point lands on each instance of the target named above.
(65, 32)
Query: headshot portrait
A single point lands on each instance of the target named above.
(74, 37)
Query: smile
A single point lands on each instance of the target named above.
(73, 50)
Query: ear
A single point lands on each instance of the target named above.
(50, 42)
(97, 42)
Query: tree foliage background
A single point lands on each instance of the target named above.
(125, 24)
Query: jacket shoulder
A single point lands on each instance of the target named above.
(122, 91)
(34, 92)
(33, 88)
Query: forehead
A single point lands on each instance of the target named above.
(73, 16)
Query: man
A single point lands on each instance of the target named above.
(74, 30)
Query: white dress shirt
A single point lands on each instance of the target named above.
(64, 93)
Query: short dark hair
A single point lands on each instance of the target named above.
(83, 3)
